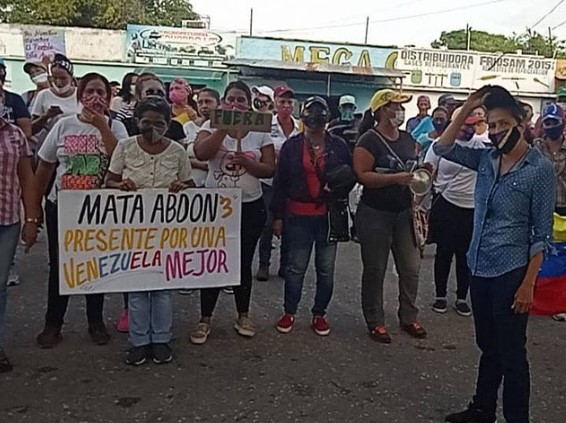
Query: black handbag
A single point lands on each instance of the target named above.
(335, 186)
(338, 223)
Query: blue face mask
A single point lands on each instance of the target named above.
(347, 114)
(554, 132)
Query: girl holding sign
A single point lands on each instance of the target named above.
(150, 161)
(78, 150)
(236, 160)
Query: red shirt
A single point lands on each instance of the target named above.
(13, 146)
(313, 185)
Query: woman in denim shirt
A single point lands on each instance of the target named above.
(514, 202)
(298, 198)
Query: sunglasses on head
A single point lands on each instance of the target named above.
(151, 91)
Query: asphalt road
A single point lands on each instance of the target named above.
(298, 377)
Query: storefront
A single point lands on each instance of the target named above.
(315, 68)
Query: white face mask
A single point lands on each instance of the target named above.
(41, 78)
(399, 118)
(63, 90)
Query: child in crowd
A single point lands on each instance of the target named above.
(150, 161)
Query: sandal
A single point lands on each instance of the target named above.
(200, 334)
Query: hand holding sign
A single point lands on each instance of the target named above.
(127, 185)
(238, 123)
(178, 186)
(241, 159)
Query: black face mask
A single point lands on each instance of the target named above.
(505, 141)
(315, 118)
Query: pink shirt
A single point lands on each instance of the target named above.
(13, 146)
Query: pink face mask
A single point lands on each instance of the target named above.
(95, 102)
(235, 106)
(178, 96)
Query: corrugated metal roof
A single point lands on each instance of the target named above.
(317, 67)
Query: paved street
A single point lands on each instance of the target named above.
(298, 377)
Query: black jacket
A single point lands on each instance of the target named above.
(290, 181)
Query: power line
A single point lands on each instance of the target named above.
(559, 25)
(399, 18)
(556, 6)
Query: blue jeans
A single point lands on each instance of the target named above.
(501, 336)
(9, 236)
(151, 317)
(302, 233)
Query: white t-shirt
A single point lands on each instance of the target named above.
(78, 148)
(454, 182)
(150, 170)
(278, 137)
(191, 131)
(45, 99)
(223, 174)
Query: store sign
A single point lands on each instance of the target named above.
(561, 69)
(463, 70)
(170, 46)
(311, 52)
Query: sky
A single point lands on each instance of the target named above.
(392, 22)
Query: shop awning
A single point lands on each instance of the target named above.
(323, 68)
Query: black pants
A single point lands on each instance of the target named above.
(252, 224)
(453, 227)
(57, 304)
(501, 336)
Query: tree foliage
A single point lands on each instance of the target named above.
(110, 14)
(530, 42)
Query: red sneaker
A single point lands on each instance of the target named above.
(123, 323)
(285, 323)
(320, 325)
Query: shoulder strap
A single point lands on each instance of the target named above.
(317, 168)
(388, 147)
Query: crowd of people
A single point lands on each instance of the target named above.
(497, 179)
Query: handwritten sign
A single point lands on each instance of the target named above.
(241, 120)
(115, 241)
(43, 42)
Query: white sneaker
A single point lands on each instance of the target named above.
(13, 277)
(245, 327)
(561, 317)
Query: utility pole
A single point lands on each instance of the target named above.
(367, 30)
(550, 42)
(251, 22)
(468, 37)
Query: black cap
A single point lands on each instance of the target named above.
(446, 98)
(311, 101)
(501, 98)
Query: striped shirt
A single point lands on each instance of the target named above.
(13, 146)
(126, 112)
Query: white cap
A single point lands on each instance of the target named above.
(347, 99)
(264, 90)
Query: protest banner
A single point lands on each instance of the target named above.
(238, 120)
(116, 241)
(40, 43)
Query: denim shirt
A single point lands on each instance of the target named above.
(513, 213)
